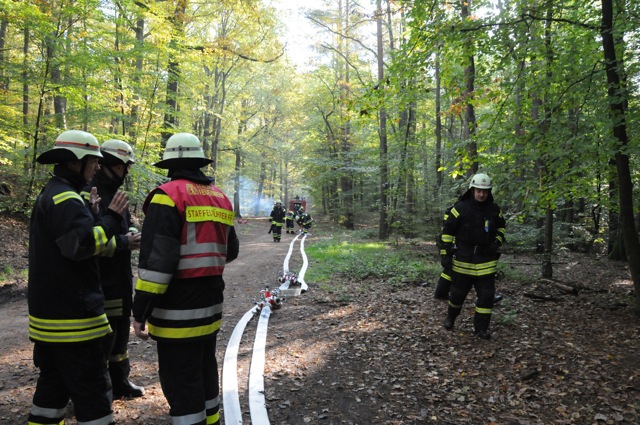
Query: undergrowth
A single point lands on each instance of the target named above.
(362, 260)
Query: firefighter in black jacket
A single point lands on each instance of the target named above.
(289, 222)
(187, 237)
(115, 267)
(472, 236)
(67, 322)
(277, 216)
(444, 282)
(304, 220)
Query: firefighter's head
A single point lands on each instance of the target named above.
(117, 158)
(77, 150)
(116, 152)
(183, 150)
(278, 203)
(481, 186)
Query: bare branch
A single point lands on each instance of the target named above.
(355, 40)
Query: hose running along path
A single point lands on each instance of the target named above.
(285, 287)
(285, 264)
(257, 403)
(230, 397)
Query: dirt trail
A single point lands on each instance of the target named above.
(258, 264)
(372, 352)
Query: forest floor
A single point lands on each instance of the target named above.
(373, 353)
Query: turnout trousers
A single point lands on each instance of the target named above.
(277, 232)
(189, 379)
(485, 287)
(71, 371)
(116, 350)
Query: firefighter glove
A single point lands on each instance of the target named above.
(446, 261)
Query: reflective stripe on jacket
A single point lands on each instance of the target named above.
(66, 303)
(207, 214)
(476, 229)
(182, 257)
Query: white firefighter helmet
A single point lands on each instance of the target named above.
(116, 152)
(278, 201)
(183, 150)
(480, 181)
(71, 145)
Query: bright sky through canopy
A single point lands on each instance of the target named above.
(301, 33)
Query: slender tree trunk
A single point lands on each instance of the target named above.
(218, 106)
(262, 179)
(545, 123)
(135, 107)
(346, 176)
(469, 129)
(236, 184)
(438, 118)
(59, 104)
(25, 82)
(547, 265)
(383, 229)
(4, 78)
(173, 72)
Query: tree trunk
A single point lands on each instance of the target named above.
(346, 176)
(173, 73)
(136, 78)
(383, 223)
(618, 105)
(469, 128)
(547, 264)
(236, 184)
(25, 83)
(438, 129)
(4, 79)
(263, 177)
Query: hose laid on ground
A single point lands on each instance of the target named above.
(230, 397)
(285, 264)
(305, 263)
(257, 403)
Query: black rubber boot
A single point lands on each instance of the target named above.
(483, 335)
(448, 323)
(127, 389)
(122, 387)
(481, 325)
(452, 313)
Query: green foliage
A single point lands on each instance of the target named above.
(528, 238)
(358, 261)
(506, 315)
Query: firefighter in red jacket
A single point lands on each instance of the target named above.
(115, 267)
(67, 322)
(187, 237)
(471, 237)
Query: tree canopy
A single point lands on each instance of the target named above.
(399, 104)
